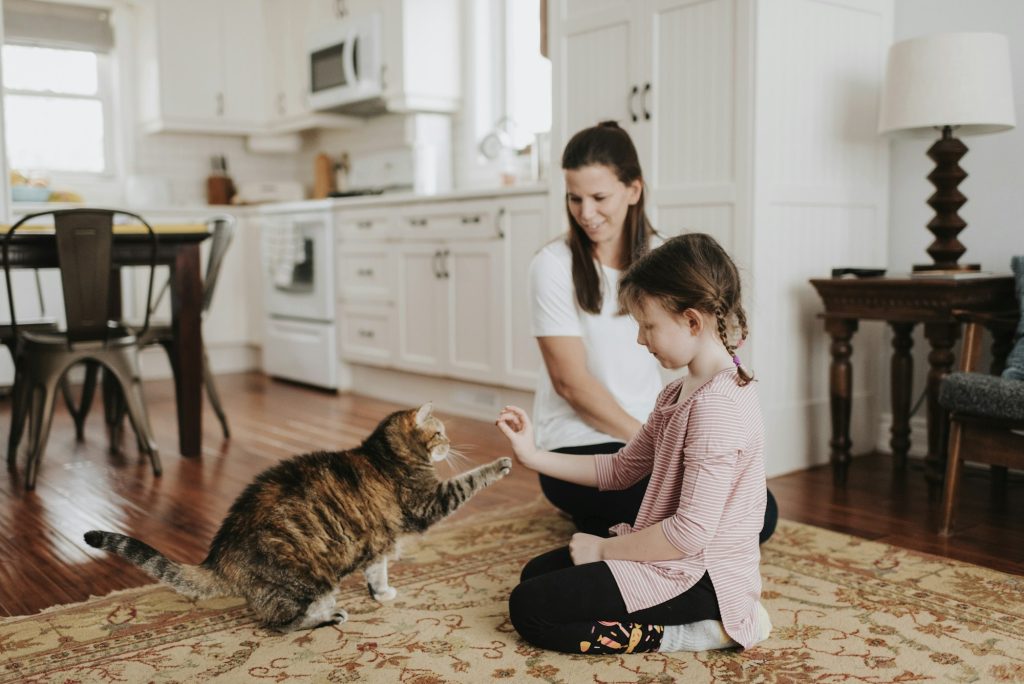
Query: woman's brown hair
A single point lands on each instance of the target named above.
(691, 271)
(604, 145)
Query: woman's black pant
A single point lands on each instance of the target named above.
(578, 608)
(594, 511)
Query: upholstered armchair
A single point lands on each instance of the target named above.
(986, 410)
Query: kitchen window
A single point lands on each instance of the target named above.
(58, 90)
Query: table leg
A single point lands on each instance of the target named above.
(187, 349)
(942, 337)
(840, 383)
(901, 380)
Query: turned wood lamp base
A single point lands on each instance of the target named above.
(946, 201)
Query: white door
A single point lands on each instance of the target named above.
(422, 308)
(243, 99)
(525, 225)
(473, 273)
(692, 94)
(190, 75)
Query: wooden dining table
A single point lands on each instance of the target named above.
(177, 248)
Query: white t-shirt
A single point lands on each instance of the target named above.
(629, 372)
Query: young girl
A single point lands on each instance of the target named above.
(685, 575)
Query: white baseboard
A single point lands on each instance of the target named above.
(458, 397)
(918, 435)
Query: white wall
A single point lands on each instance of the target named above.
(994, 163)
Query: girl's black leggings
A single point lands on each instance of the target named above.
(578, 608)
(594, 511)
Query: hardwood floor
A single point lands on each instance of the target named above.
(81, 486)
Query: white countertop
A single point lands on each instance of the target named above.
(202, 210)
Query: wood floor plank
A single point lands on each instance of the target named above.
(82, 486)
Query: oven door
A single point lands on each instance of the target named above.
(298, 255)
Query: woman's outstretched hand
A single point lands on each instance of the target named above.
(516, 426)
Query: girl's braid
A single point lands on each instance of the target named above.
(723, 334)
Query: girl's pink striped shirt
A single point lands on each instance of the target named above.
(705, 456)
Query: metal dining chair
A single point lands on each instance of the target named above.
(84, 243)
(222, 232)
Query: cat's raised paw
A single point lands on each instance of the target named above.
(387, 595)
(505, 464)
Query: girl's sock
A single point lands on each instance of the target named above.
(708, 635)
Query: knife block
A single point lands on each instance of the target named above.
(219, 190)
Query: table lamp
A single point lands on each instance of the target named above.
(952, 83)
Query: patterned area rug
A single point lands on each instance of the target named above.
(844, 609)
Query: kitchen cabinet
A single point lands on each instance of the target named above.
(200, 66)
(288, 24)
(439, 288)
(449, 308)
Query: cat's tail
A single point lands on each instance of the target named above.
(194, 581)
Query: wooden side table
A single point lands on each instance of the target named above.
(903, 302)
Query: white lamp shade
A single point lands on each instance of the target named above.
(948, 79)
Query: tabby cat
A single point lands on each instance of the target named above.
(307, 522)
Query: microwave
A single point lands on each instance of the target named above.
(345, 70)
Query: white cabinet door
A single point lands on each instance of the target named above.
(287, 25)
(188, 53)
(695, 82)
(599, 69)
(524, 222)
(242, 81)
(202, 66)
(422, 308)
(473, 273)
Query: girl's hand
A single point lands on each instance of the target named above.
(586, 548)
(515, 424)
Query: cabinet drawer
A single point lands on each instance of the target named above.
(301, 351)
(463, 221)
(365, 274)
(366, 333)
(355, 226)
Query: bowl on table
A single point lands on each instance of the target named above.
(29, 193)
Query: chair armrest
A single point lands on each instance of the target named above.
(996, 321)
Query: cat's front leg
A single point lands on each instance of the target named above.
(377, 580)
(451, 494)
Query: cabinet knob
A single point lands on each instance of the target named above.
(365, 272)
(367, 334)
(418, 222)
(364, 225)
(220, 104)
(470, 219)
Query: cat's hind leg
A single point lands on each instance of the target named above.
(377, 580)
(288, 615)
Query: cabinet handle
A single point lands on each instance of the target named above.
(498, 223)
(365, 272)
(437, 264)
(470, 219)
(364, 225)
(444, 264)
(643, 102)
(418, 223)
(368, 334)
(220, 104)
(629, 103)
(340, 8)
(280, 104)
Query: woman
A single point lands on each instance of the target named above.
(600, 384)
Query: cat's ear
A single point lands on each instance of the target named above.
(423, 413)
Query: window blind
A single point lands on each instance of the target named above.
(50, 24)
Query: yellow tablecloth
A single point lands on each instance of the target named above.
(124, 229)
